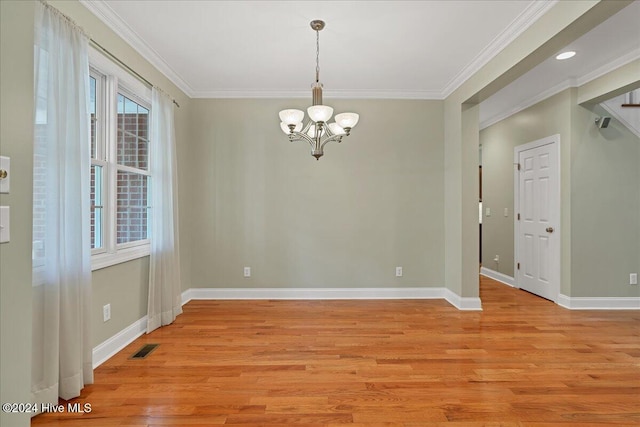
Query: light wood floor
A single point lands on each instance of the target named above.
(523, 361)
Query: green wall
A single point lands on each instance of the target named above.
(16, 142)
(125, 286)
(605, 206)
(373, 202)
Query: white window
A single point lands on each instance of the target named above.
(120, 177)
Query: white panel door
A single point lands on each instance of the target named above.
(538, 237)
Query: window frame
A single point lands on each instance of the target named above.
(114, 80)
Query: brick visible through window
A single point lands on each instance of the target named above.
(132, 151)
(132, 207)
(133, 134)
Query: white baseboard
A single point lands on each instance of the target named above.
(495, 275)
(599, 303)
(575, 303)
(311, 293)
(463, 303)
(331, 293)
(103, 351)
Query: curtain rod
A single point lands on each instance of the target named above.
(131, 70)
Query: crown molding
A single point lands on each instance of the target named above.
(386, 94)
(569, 83)
(528, 103)
(530, 15)
(335, 94)
(609, 67)
(536, 9)
(112, 20)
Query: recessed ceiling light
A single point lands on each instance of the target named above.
(565, 55)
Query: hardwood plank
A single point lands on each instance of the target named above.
(522, 361)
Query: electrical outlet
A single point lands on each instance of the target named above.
(106, 312)
(633, 278)
(398, 271)
(497, 258)
(247, 272)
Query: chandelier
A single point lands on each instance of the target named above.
(317, 132)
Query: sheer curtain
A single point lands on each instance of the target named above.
(165, 288)
(61, 357)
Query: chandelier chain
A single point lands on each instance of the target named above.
(317, 56)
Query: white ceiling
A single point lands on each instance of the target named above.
(368, 49)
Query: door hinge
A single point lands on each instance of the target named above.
(518, 166)
(518, 266)
(518, 217)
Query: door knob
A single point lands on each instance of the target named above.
(549, 229)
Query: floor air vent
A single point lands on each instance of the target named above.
(144, 351)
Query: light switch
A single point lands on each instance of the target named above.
(488, 212)
(4, 174)
(506, 212)
(4, 224)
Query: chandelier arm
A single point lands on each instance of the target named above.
(304, 137)
(306, 127)
(327, 129)
(294, 138)
(332, 138)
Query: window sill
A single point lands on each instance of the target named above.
(103, 260)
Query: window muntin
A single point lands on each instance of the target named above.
(97, 207)
(97, 186)
(93, 110)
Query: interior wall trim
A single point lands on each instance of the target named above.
(311, 293)
(112, 20)
(496, 275)
(461, 303)
(554, 90)
(531, 14)
(599, 303)
(105, 350)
